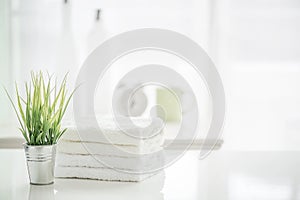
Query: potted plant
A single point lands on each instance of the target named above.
(40, 114)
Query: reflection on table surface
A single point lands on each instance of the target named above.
(223, 175)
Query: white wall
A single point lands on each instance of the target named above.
(257, 50)
(5, 52)
(57, 37)
(255, 45)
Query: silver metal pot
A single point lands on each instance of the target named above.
(40, 163)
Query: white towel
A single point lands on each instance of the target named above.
(144, 163)
(123, 146)
(143, 131)
(98, 174)
(106, 149)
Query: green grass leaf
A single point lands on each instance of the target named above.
(40, 113)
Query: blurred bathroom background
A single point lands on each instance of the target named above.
(255, 46)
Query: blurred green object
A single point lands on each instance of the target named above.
(170, 103)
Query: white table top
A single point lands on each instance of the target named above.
(223, 175)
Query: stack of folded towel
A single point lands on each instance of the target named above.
(121, 151)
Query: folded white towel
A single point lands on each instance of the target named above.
(116, 131)
(106, 149)
(121, 145)
(98, 174)
(144, 163)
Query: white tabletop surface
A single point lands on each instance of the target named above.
(223, 175)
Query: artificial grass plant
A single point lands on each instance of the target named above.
(40, 113)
